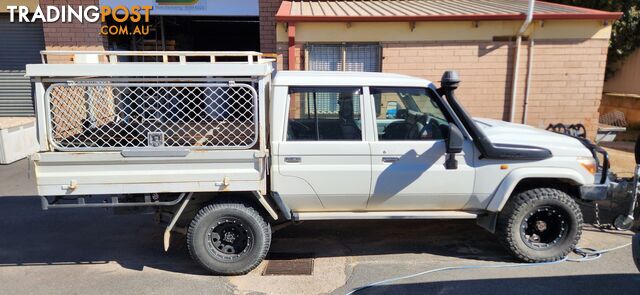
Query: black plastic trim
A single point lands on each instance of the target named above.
(594, 192)
(282, 206)
(488, 221)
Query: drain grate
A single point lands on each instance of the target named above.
(289, 264)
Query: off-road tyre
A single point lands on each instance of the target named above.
(536, 205)
(208, 246)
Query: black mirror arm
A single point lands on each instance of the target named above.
(451, 163)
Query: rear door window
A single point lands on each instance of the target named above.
(324, 113)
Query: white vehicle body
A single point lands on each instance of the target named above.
(332, 176)
(369, 176)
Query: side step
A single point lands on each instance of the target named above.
(385, 215)
(112, 202)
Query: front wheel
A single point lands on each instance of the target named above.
(228, 238)
(540, 225)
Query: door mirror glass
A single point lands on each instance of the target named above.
(454, 140)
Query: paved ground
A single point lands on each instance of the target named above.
(94, 251)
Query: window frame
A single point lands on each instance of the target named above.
(429, 92)
(361, 100)
(343, 51)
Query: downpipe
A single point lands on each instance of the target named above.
(527, 87)
(516, 62)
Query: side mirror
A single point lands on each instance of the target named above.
(453, 142)
(637, 151)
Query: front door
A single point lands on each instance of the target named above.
(324, 163)
(408, 154)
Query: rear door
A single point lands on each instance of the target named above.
(324, 155)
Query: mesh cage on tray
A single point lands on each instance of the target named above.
(102, 116)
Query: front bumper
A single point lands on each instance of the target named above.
(595, 192)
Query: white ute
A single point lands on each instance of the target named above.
(223, 148)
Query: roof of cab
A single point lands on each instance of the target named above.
(311, 78)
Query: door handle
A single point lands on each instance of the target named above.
(292, 159)
(390, 159)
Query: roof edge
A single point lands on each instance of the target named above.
(462, 17)
(284, 15)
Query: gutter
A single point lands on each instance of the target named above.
(286, 17)
(285, 14)
(527, 86)
(516, 63)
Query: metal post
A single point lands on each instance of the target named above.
(164, 47)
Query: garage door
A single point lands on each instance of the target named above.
(21, 44)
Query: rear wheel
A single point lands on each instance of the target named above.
(228, 238)
(539, 225)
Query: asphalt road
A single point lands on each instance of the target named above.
(87, 251)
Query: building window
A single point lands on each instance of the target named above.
(350, 57)
(307, 122)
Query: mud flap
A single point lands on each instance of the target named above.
(488, 221)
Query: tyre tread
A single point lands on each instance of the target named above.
(517, 204)
(244, 207)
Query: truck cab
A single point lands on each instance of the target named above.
(336, 149)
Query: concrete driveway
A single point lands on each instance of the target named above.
(86, 251)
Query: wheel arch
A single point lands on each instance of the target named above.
(567, 180)
(263, 204)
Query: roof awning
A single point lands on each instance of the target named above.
(429, 10)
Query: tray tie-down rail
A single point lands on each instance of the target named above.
(112, 202)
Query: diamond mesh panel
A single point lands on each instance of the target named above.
(117, 116)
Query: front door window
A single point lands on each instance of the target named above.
(408, 114)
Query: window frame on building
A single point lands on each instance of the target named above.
(343, 54)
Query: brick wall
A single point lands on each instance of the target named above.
(566, 82)
(283, 56)
(74, 35)
(268, 9)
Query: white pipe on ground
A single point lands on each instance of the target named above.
(516, 62)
